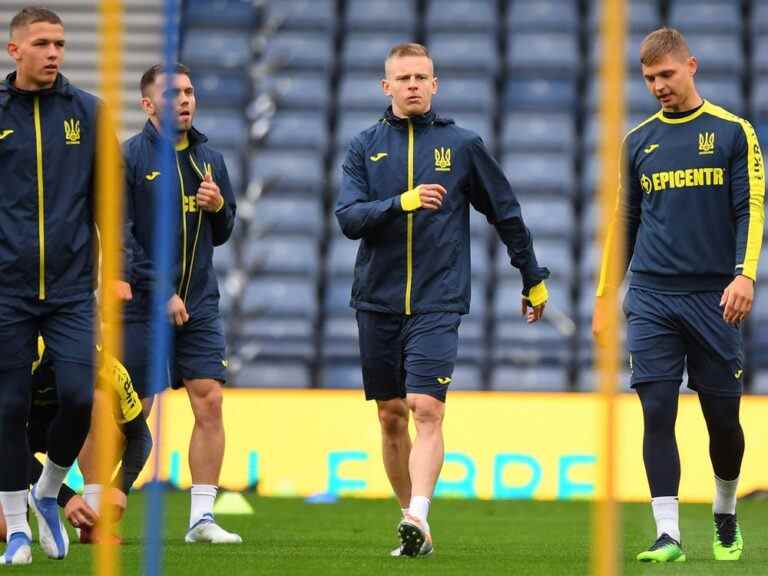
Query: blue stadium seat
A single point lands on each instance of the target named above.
(466, 93)
(541, 343)
(217, 49)
(362, 92)
(705, 16)
(221, 14)
(638, 100)
(289, 215)
(477, 122)
(299, 50)
(280, 296)
(226, 129)
(271, 375)
(545, 131)
(760, 52)
(548, 217)
(468, 52)
(478, 224)
(631, 51)
(760, 99)
(274, 254)
(344, 376)
(381, 15)
(341, 257)
(337, 295)
(222, 89)
(270, 338)
(366, 51)
(295, 171)
(461, 15)
(529, 378)
(544, 172)
(298, 90)
(478, 249)
(759, 17)
(543, 15)
(234, 162)
(555, 254)
(643, 15)
(539, 94)
(303, 14)
(295, 130)
(592, 131)
(547, 53)
(351, 124)
(223, 258)
(717, 53)
(466, 377)
(726, 93)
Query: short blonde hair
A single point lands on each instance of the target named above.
(661, 42)
(406, 49)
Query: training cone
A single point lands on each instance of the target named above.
(232, 503)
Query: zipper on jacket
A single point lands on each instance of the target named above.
(184, 291)
(409, 228)
(40, 199)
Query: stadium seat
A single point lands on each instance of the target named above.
(548, 217)
(274, 254)
(269, 338)
(217, 49)
(517, 342)
(288, 215)
(544, 131)
(553, 54)
(717, 53)
(298, 171)
(227, 129)
(760, 53)
(705, 16)
(529, 379)
(544, 172)
(224, 258)
(555, 254)
(363, 92)
(723, 92)
(759, 17)
(461, 15)
(543, 15)
(631, 49)
(221, 14)
(453, 90)
(299, 51)
(303, 14)
(337, 295)
(591, 134)
(638, 100)
(366, 51)
(298, 90)
(234, 161)
(471, 53)
(351, 124)
(466, 377)
(539, 94)
(342, 255)
(477, 122)
(272, 375)
(643, 16)
(381, 15)
(280, 296)
(227, 90)
(344, 376)
(298, 130)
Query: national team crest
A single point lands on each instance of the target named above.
(72, 131)
(443, 159)
(706, 143)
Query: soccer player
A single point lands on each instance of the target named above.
(206, 207)
(407, 184)
(693, 208)
(113, 379)
(48, 131)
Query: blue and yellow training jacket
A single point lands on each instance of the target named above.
(413, 260)
(47, 191)
(693, 205)
(197, 231)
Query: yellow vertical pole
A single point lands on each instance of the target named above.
(109, 217)
(606, 536)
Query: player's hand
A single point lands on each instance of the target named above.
(431, 196)
(123, 291)
(534, 302)
(209, 196)
(737, 298)
(177, 311)
(79, 514)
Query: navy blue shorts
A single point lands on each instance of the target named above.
(667, 333)
(67, 326)
(407, 354)
(198, 352)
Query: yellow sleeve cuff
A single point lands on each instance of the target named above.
(410, 200)
(538, 295)
(221, 204)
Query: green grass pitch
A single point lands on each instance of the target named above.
(286, 537)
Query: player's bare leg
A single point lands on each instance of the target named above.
(3, 526)
(426, 461)
(396, 446)
(206, 454)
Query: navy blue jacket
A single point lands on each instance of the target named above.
(418, 261)
(693, 207)
(199, 287)
(47, 196)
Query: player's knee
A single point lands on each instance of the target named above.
(428, 412)
(208, 407)
(393, 417)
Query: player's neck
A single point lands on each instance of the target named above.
(182, 137)
(693, 102)
(26, 84)
(404, 115)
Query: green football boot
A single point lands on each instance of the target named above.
(728, 543)
(665, 549)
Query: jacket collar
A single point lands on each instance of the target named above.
(427, 119)
(194, 135)
(60, 86)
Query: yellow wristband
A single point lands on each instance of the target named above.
(410, 200)
(221, 204)
(538, 295)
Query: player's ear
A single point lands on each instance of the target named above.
(693, 65)
(386, 87)
(147, 106)
(435, 85)
(13, 49)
